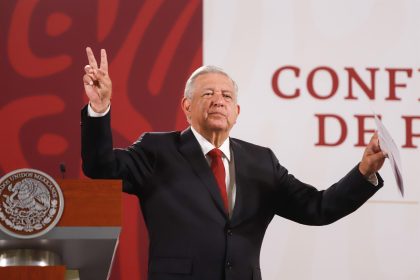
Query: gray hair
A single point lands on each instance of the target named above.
(205, 69)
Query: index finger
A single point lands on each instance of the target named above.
(104, 61)
(91, 58)
(374, 142)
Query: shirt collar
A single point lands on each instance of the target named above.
(206, 146)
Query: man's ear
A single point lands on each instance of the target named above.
(238, 110)
(186, 107)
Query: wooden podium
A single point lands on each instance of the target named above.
(85, 237)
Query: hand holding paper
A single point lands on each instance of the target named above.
(373, 157)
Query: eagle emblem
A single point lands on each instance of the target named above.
(30, 203)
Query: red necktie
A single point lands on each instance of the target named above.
(219, 173)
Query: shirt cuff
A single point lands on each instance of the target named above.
(373, 179)
(93, 114)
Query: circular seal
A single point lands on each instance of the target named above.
(31, 203)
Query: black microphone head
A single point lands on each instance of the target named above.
(62, 167)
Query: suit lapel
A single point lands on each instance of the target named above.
(191, 150)
(242, 192)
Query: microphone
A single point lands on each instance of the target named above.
(63, 169)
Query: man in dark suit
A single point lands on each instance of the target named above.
(207, 199)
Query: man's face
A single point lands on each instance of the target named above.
(213, 106)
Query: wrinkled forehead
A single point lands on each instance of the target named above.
(214, 81)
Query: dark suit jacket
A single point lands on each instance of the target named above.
(191, 237)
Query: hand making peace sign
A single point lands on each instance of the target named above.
(97, 83)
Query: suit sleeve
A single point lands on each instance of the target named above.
(134, 165)
(305, 204)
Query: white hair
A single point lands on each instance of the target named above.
(189, 86)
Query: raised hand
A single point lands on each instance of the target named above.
(373, 157)
(97, 83)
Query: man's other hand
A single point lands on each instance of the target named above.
(373, 157)
(97, 83)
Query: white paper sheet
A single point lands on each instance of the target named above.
(387, 145)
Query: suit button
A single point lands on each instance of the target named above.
(229, 232)
(229, 265)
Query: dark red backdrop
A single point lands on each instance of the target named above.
(152, 48)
